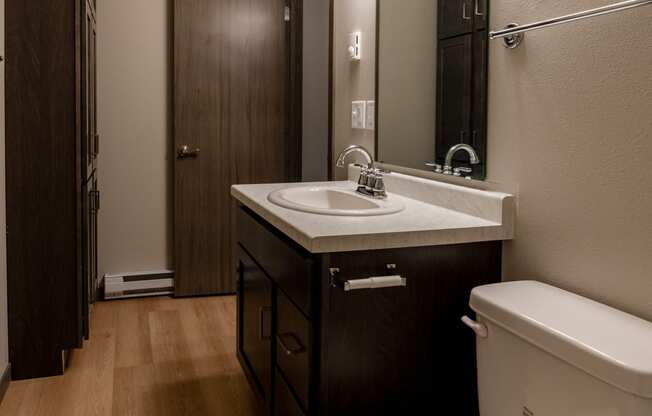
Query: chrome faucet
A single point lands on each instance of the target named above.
(351, 149)
(370, 182)
(448, 165)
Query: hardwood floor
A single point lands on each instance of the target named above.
(155, 356)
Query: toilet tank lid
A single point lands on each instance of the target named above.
(609, 344)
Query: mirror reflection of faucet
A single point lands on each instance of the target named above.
(448, 168)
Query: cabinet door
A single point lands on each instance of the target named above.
(380, 357)
(284, 402)
(255, 323)
(454, 82)
(455, 17)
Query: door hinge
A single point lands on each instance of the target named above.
(287, 13)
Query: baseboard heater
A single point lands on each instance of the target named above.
(139, 284)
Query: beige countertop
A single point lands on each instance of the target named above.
(419, 224)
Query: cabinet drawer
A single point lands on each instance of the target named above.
(293, 348)
(285, 403)
(287, 263)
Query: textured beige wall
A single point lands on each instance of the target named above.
(352, 81)
(135, 168)
(4, 347)
(407, 63)
(570, 124)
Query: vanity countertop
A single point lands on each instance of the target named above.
(421, 223)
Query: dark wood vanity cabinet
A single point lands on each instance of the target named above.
(309, 347)
(52, 176)
(255, 325)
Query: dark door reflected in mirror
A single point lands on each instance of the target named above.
(432, 85)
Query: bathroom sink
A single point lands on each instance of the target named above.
(333, 201)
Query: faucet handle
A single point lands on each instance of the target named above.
(364, 175)
(437, 167)
(460, 170)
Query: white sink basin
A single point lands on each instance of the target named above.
(333, 201)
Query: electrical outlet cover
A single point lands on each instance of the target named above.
(358, 114)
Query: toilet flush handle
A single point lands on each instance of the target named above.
(479, 329)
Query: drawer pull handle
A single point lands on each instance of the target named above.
(281, 338)
(261, 323)
(373, 282)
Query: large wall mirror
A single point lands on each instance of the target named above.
(431, 87)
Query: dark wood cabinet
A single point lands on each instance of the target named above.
(284, 402)
(255, 319)
(455, 17)
(51, 198)
(293, 347)
(397, 350)
(460, 17)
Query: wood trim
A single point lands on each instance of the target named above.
(377, 80)
(330, 88)
(4, 381)
(295, 113)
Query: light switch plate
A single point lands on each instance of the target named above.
(370, 115)
(358, 114)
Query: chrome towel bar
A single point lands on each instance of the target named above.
(512, 34)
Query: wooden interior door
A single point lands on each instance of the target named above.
(235, 106)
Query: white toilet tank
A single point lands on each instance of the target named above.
(548, 352)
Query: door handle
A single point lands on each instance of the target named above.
(97, 200)
(261, 323)
(185, 152)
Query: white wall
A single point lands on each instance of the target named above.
(4, 341)
(570, 124)
(352, 81)
(135, 161)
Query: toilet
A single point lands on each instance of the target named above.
(543, 351)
